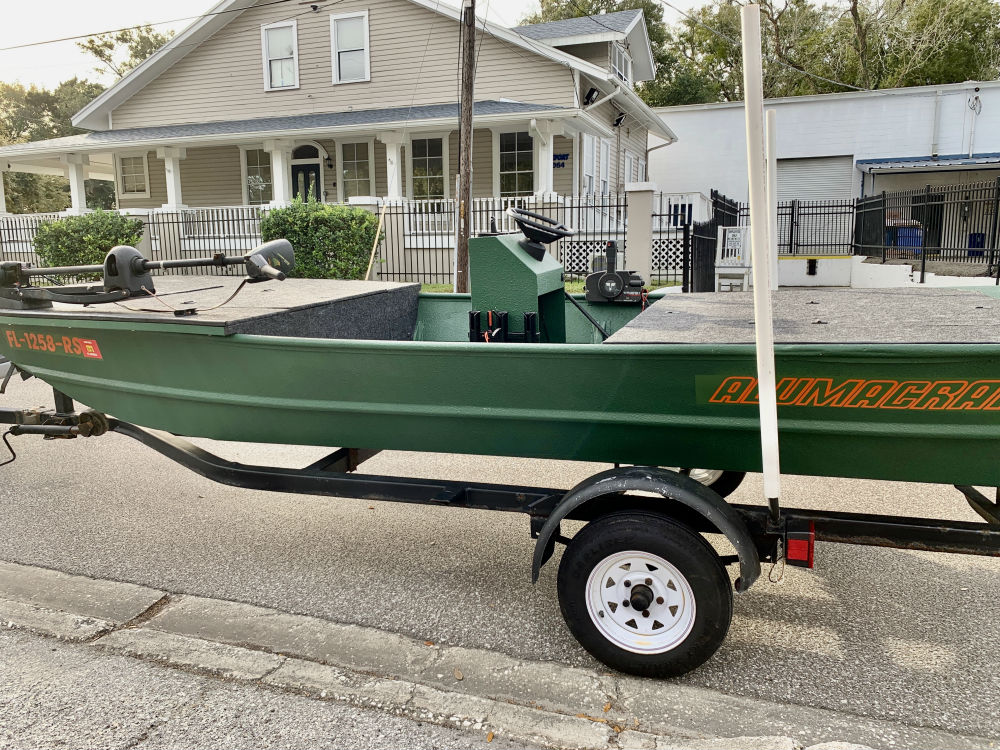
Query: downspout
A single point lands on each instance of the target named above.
(937, 124)
(976, 105)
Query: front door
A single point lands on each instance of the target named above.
(306, 182)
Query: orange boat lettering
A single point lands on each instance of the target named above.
(853, 393)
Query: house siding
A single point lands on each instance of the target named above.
(562, 179)
(631, 136)
(598, 53)
(413, 61)
(212, 177)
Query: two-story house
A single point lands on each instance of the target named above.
(259, 102)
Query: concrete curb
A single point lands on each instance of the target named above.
(539, 702)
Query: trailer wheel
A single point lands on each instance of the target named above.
(644, 594)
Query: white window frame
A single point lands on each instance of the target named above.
(445, 157)
(641, 161)
(267, 60)
(589, 160)
(621, 63)
(604, 183)
(244, 173)
(627, 178)
(496, 161)
(333, 47)
(340, 166)
(121, 179)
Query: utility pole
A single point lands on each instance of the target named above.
(468, 21)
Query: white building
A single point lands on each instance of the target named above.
(840, 145)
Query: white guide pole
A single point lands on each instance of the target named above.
(772, 196)
(760, 260)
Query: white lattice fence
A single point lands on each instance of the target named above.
(668, 251)
(576, 253)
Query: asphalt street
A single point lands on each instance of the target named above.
(58, 695)
(898, 635)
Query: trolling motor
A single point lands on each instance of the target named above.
(126, 274)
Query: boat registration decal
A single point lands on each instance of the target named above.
(856, 393)
(46, 342)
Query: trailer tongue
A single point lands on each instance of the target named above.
(366, 366)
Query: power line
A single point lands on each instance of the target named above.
(138, 26)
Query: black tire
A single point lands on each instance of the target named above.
(726, 484)
(688, 552)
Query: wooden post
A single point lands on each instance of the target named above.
(465, 139)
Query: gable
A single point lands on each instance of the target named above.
(414, 57)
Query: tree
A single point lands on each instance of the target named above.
(33, 114)
(120, 51)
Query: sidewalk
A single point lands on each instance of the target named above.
(248, 648)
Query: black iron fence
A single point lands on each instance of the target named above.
(824, 227)
(950, 223)
(701, 241)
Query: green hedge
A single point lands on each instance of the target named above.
(86, 239)
(330, 242)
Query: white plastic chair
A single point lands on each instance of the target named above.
(732, 260)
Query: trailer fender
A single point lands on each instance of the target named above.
(671, 486)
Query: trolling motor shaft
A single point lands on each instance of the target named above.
(125, 273)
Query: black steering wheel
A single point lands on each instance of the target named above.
(539, 228)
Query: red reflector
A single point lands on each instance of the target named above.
(798, 549)
(799, 546)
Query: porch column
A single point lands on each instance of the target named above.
(393, 164)
(172, 163)
(3, 199)
(281, 170)
(543, 132)
(639, 230)
(77, 173)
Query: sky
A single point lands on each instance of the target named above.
(48, 64)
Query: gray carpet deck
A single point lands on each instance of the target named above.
(814, 316)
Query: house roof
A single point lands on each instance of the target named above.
(95, 116)
(930, 163)
(622, 21)
(621, 26)
(271, 127)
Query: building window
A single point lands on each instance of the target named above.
(355, 169)
(589, 163)
(428, 168)
(132, 172)
(279, 42)
(349, 39)
(605, 164)
(259, 188)
(621, 63)
(642, 170)
(517, 164)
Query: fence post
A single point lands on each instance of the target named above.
(923, 234)
(686, 258)
(793, 229)
(639, 229)
(996, 226)
(882, 229)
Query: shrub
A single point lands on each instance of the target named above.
(330, 242)
(86, 239)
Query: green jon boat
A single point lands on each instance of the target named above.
(888, 384)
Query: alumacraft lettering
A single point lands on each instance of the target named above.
(956, 395)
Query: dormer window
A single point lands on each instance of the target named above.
(621, 63)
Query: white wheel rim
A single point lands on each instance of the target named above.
(707, 477)
(622, 577)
